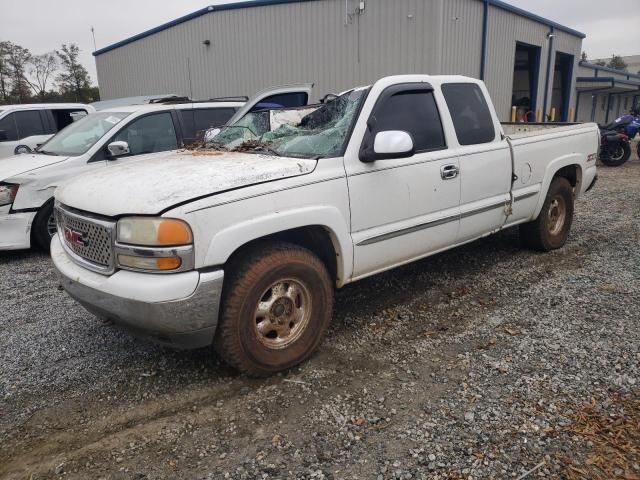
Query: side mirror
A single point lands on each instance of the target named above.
(118, 149)
(389, 144)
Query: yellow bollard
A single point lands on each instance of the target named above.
(538, 115)
(553, 114)
(570, 119)
(513, 114)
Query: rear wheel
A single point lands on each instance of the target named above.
(618, 155)
(44, 227)
(276, 309)
(550, 230)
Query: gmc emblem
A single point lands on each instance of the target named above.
(74, 238)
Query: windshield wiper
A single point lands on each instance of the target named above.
(47, 152)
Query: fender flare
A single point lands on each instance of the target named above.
(554, 167)
(225, 242)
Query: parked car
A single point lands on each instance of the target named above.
(107, 138)
(241, 245)
(24, 127)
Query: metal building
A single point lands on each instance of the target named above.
(528, 62)
(605, 93)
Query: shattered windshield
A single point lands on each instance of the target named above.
(311, 132)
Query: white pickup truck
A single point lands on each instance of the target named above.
(242, 243)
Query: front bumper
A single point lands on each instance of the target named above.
(178, 310)
(15, 229)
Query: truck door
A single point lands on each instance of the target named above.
(485, 161)
(403, 208)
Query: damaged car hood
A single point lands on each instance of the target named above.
(151, 186)
(20, 164)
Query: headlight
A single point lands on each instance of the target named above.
(8, 192)
(154, 244)
(154, 232)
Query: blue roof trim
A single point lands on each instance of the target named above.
(610, 80)
(608, 69)
(532, 16)
(191, 16)
(262, 3)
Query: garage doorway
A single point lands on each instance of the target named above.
(525, 81)
(562, 73)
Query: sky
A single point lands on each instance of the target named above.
(43, 25)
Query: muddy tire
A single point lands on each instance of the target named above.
(44, 227)
(276, 309)
(550, 230)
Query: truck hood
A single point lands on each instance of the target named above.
(21, 164)
(148, 187)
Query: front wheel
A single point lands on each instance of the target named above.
(618, 155)
(276, 308)
(44, 227)
(550, 230)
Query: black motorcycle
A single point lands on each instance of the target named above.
(615, 148)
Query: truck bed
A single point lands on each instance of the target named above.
(523, 130)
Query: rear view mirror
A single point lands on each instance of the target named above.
(118, 149)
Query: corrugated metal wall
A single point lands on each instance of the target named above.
(252, 48)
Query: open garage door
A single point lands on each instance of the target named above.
(562, 73)
(525, 82)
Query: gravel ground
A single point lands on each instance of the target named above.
(487, 361)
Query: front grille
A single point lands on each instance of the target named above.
(88, 238)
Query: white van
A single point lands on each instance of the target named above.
(24, 127)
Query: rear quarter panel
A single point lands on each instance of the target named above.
(537, 158)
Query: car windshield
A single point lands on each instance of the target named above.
(311, 132)
(78, 137)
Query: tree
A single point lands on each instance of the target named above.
(74, 81)
(617, 62)
(41, 68)
(5, 71)
(17, 59)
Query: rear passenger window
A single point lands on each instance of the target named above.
(8, 130)
(205, 118)
(199, 120)
(29, 123)
(412, 111)
(471, 116)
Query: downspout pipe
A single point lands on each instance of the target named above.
(485, 32)
(546, 82)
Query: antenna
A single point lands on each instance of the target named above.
(93, 33)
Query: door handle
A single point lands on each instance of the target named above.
(447, 172)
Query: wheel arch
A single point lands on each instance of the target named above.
(569, 167)
(328, 238)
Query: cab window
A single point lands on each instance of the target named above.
(470, 113)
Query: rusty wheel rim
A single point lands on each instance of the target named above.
(282, 314)
(557, 215)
